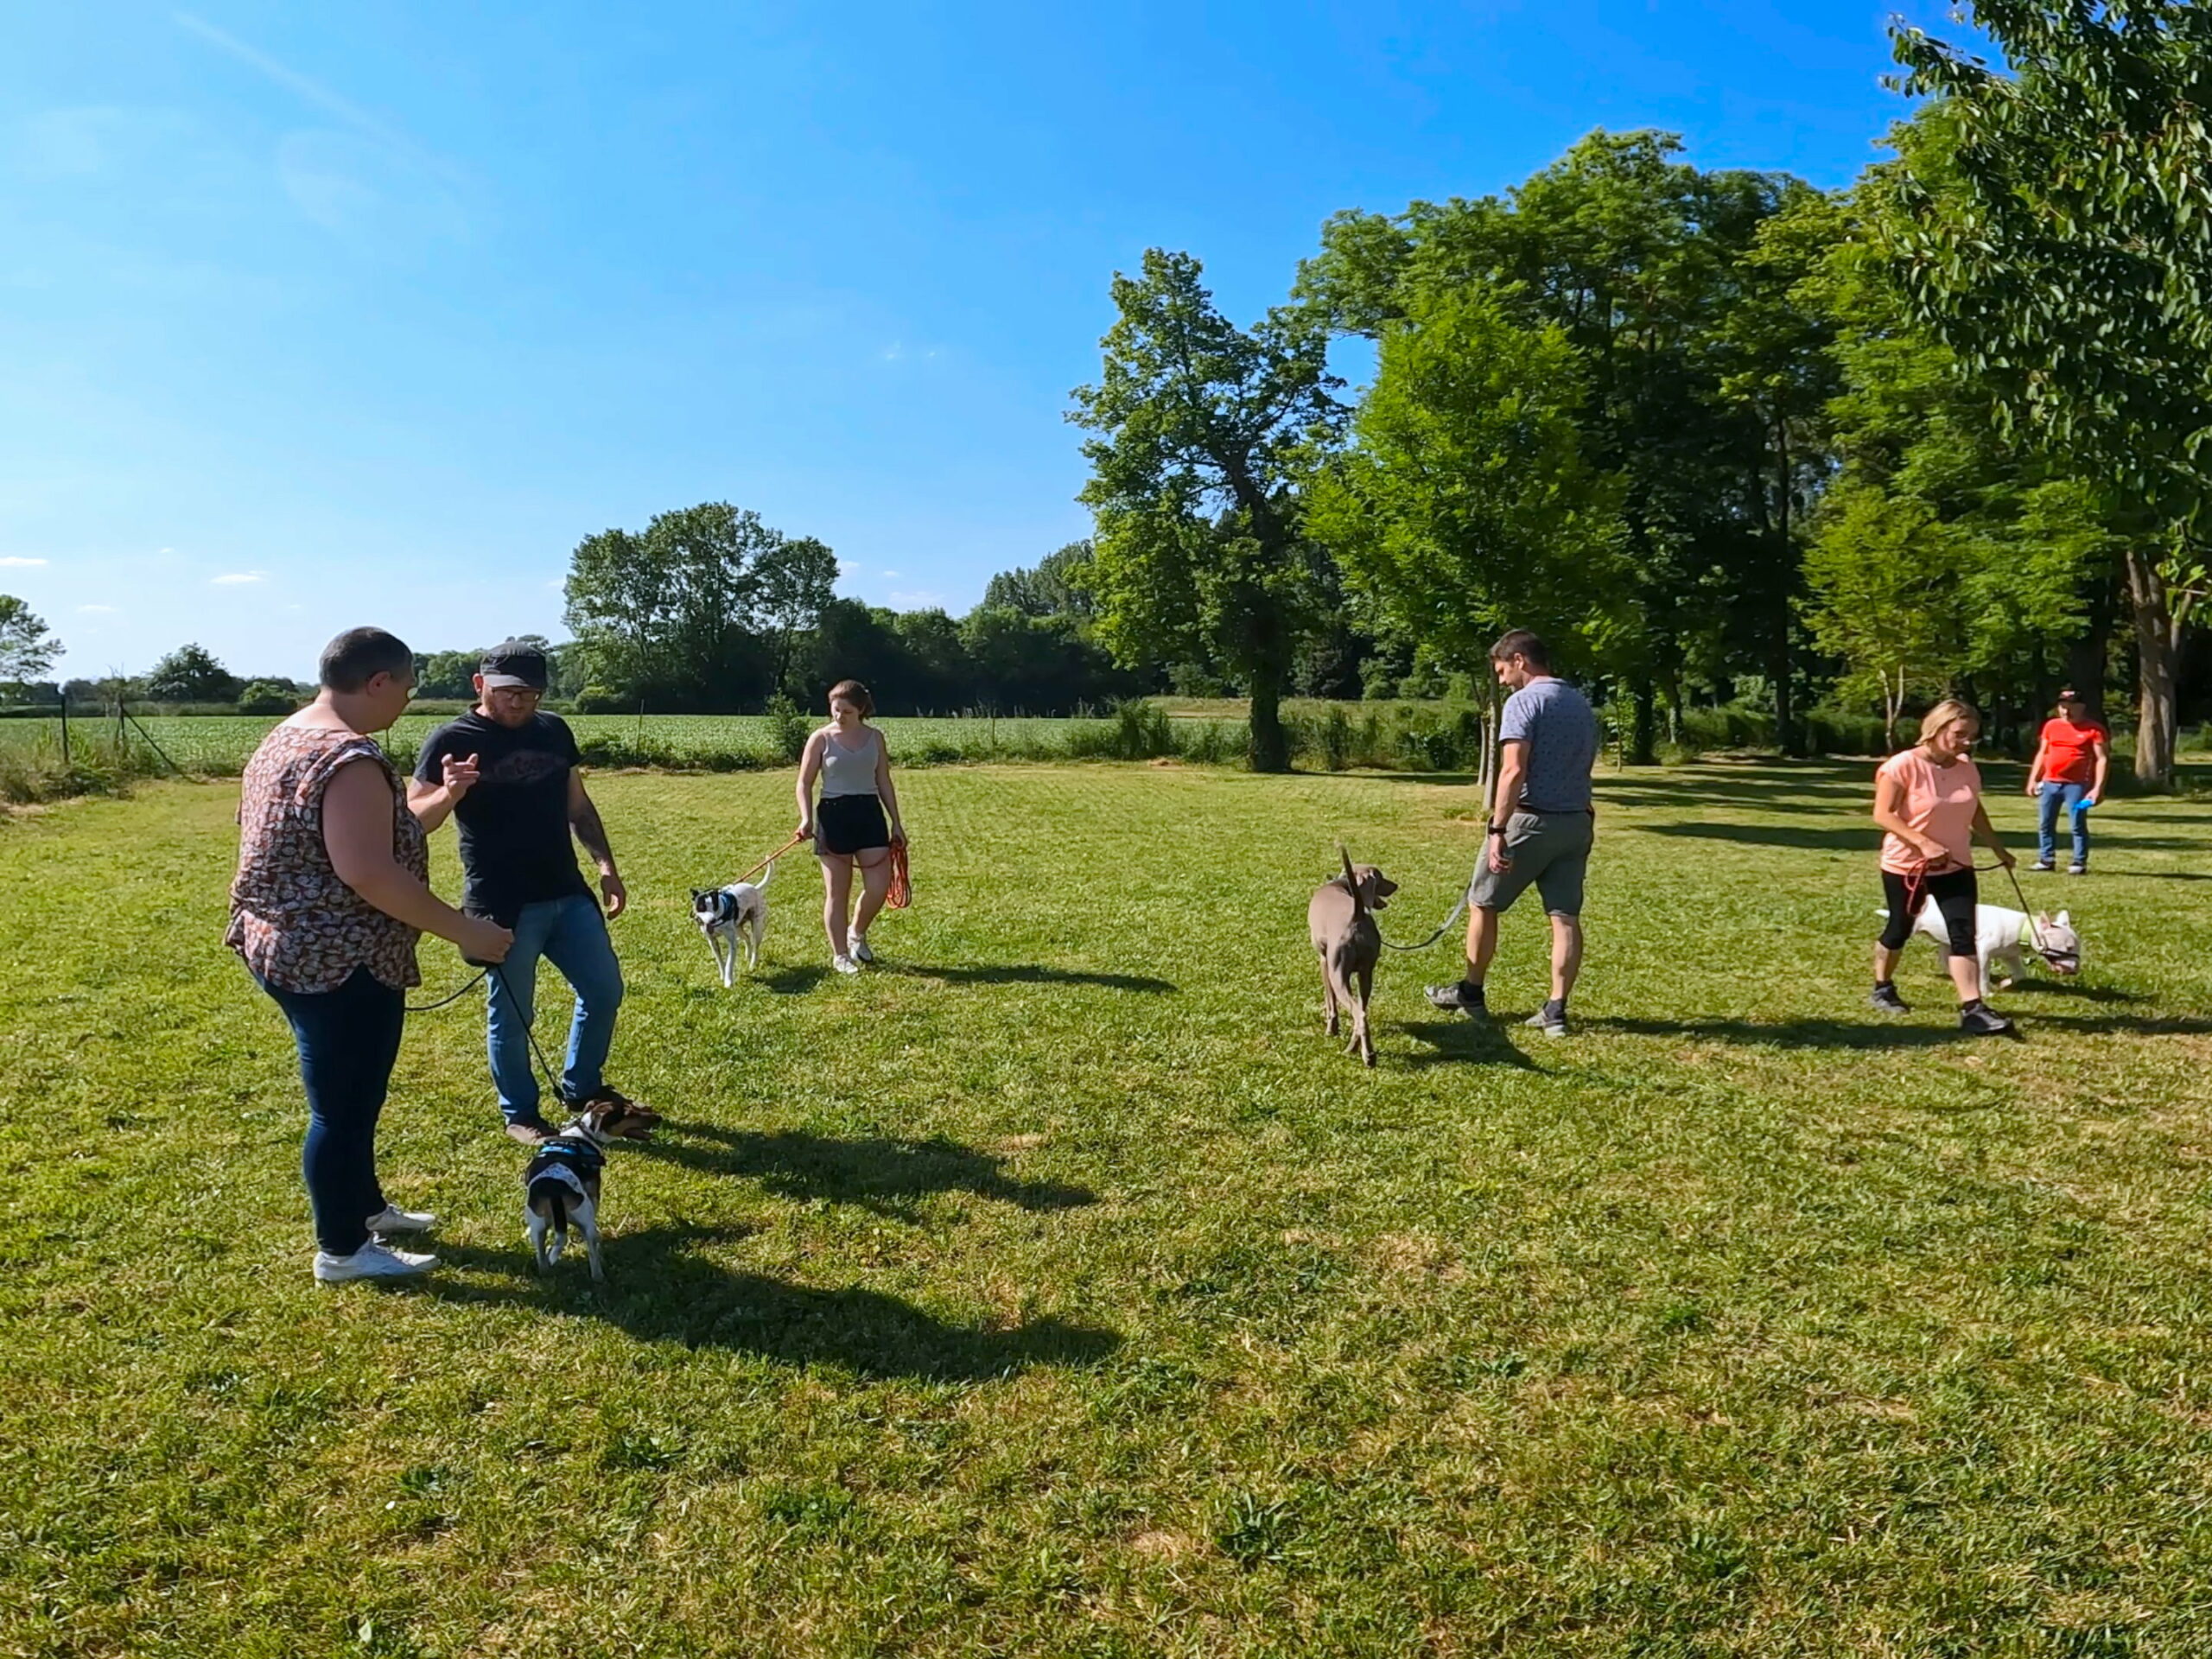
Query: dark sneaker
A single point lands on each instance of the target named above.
(1551, 1020)
(1885, 1000)
(1986, 1022)
(1460, 998)
(530, 1131)
(2044, 865)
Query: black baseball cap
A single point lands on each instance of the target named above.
(512, 663)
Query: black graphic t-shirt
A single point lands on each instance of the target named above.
(515, 848)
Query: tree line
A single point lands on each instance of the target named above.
(1719, 433)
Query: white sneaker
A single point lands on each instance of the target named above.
(392, 1219)
(844, 964)
(860, 952)
(371, 1261)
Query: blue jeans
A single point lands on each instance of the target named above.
(348, 1040)
(2052, 797)
(571, 934)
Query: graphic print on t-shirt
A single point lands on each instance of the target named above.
(515, 845)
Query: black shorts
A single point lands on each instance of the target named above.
(1954, 893)
(850, 824)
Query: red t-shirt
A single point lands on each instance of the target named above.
(2069, 751)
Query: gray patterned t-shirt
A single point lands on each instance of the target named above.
(1561, 728)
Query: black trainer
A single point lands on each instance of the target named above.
(1886, 1000)
(1980, 1020)
(1460, 998)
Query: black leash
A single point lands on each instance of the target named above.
(490, 970)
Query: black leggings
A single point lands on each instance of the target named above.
(1955, 893)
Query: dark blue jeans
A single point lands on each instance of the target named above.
(348, 1040)
(571, 934)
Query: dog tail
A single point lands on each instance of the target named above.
(767, 875)
(1351, 881)
(558, 1202)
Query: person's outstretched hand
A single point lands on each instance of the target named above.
(461, 774)
(484, 941)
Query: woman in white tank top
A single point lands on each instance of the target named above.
(856, 822)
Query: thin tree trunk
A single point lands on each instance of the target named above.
(1270, 745)
(1643, 734)
(2157, 653)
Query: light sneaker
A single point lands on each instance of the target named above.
(2077, 870)
(392, 1219)
(1551, 1020)
(844, 964)
(371, 1261)
(1458, 998)
(860, 952)
(1885, 1000)
(2043, 867)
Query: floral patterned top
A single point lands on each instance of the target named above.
(295, 923)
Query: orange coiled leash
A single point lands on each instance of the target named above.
(902, 879)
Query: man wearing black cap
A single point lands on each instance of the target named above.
(507, 772)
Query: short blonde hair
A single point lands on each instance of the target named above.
(1943, 713)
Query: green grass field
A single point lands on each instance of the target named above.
(1058, 1288)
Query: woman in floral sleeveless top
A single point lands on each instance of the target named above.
(331, 895)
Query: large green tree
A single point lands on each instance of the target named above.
(1204, 433)
(693, 611)
(1639, 259)
(1051, 587)
(191, 674)
(1465, 505)
(2061, 245)
(28, 647)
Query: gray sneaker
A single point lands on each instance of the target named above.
(1885, 1000)
(1551, 1019)
(1460, 998)
(1984, 1021)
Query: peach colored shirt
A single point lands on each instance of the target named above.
(1939, 803)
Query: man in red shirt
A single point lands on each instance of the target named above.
(2070, 772)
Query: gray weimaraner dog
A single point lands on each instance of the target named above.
(1341, 921)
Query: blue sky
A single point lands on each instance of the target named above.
(314, 315)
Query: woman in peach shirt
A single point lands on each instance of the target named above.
(1929, 800)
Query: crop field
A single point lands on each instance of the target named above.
(1055, 1287)
(222, 743)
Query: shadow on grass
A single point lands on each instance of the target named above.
(1464, 1042)
(2073, 988)
(879, 1173)
(2153, 876)
(1845, 1033)
(662, 1288)
(791, 979)
(1030, 973)
(1851, 838)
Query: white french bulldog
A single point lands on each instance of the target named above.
(2003, 938)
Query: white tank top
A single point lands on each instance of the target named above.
(848, 771)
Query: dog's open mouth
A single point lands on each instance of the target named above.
(2060, 964)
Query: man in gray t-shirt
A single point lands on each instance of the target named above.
(1540, 825)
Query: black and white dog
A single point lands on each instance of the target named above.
(561, 1184)
(734, 915)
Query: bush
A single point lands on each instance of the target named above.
(788, 730)
(599, 700)
(268, 697)
(1137, 731)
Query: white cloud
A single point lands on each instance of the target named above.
(923, 601)
(96, 610)
(848, 567)
(163, 552)
(892, 575)
(14, 561)
(238, 578)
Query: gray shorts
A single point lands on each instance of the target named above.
(1551, 849)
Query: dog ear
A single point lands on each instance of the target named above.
(2065, 918)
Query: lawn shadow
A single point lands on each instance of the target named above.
(1030, 973)
(661, 1288)
(791, 979)
(2153, 876)
(879, 1173)
(1843, 838)
(2073, 988)
(1464, 1042)
(1844, 1034)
